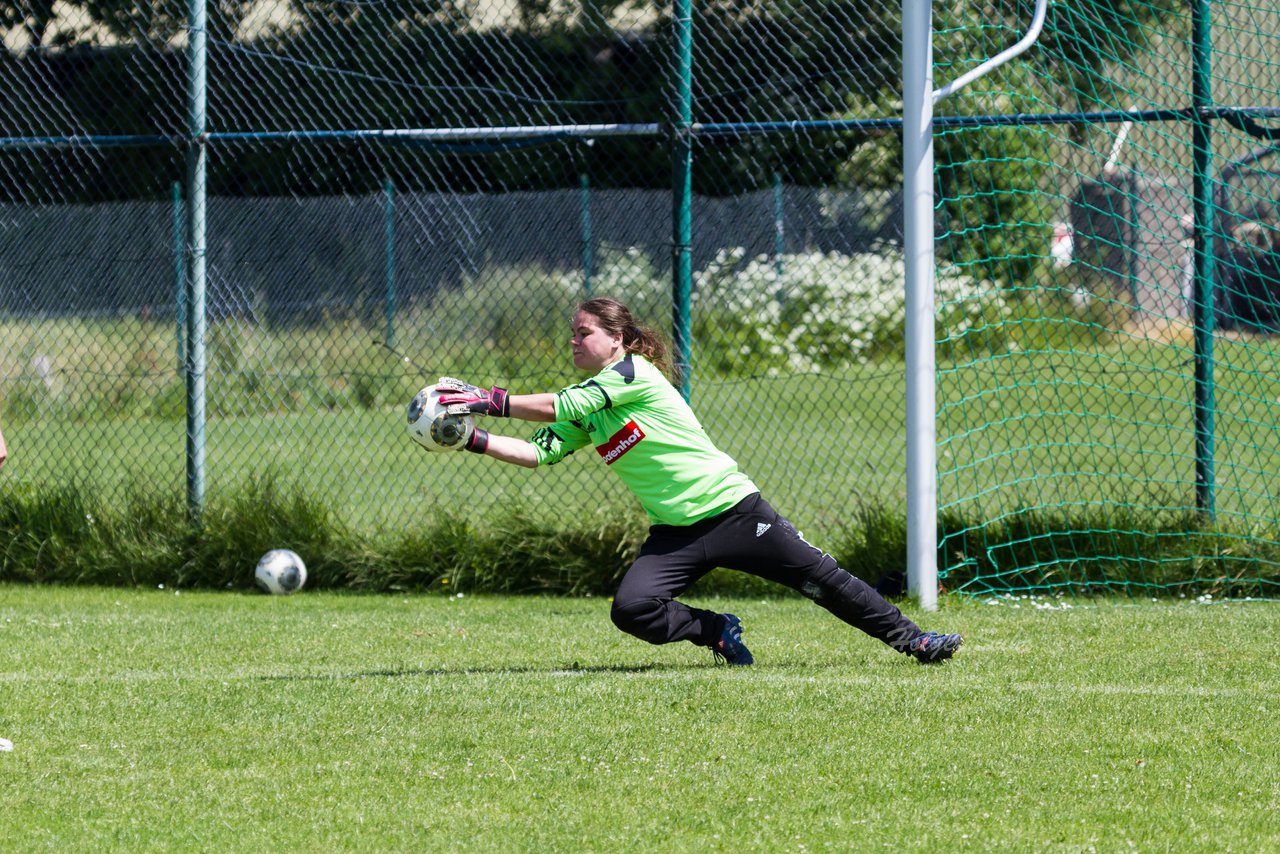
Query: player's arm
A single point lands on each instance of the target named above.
(533, 407)
(4, 451)
(460, 397)
(505, 448)
(548, 446)
(608, 388)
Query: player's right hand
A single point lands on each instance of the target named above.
(461, 398)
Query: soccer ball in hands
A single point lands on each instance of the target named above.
(435, 429)
(280, 572)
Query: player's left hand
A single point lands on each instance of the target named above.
(459, 398)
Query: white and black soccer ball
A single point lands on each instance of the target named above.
(435, 429)
(280, 572)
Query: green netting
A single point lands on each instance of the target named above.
(1070, 459)
(446, 178)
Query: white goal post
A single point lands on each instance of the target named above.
(918, 98)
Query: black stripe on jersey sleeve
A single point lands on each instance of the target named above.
(608, 401)
(547, 438)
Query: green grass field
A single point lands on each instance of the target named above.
(159, 720)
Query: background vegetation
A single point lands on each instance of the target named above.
(75, 535)
(1066, 423)
(583, 63)
(94, 490)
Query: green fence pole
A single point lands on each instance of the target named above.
(195, 255)
(779, 228)
(179, 276)
(1202, 196)
(588, 249)
(682, 194)
(1132, 184)
(389, 299)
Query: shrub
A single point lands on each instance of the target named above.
(812, 311)
(504, 324)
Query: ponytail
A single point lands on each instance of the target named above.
(616, 319)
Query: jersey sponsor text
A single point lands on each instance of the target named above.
(621, 442)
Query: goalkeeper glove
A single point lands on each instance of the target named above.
(459, 398)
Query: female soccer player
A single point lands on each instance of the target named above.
(705, 512)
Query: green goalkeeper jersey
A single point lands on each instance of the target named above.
(643, 430)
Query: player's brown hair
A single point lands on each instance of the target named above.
(616, 319)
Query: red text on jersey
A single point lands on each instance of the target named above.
(621, 442)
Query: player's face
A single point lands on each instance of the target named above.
(593, 348)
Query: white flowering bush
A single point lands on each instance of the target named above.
(810, 311)
(802, 312)
(628, 275)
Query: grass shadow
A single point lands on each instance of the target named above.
(477, 671)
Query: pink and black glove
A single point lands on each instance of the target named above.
(459, 398)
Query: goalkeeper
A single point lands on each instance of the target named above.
(705, 512)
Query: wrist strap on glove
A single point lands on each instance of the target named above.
(479, 441)
(498, 404)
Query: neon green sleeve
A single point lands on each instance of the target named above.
(645, 432)
(553, 443)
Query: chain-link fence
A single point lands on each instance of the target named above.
(397, 190)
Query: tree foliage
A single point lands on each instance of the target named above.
(32, 17)
(402, 64)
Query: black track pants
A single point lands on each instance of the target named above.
(753, 538)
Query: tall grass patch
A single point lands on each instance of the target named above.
(71, 535)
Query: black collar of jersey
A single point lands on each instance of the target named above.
(627, 368)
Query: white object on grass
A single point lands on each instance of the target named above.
(280, 572)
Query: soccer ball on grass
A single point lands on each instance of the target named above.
(280, 572)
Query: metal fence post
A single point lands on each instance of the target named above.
(1202, 199)
(588, 248)
(682, 194)
(389, 297)
(179, 276)
(197, 57)
(779, 232)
